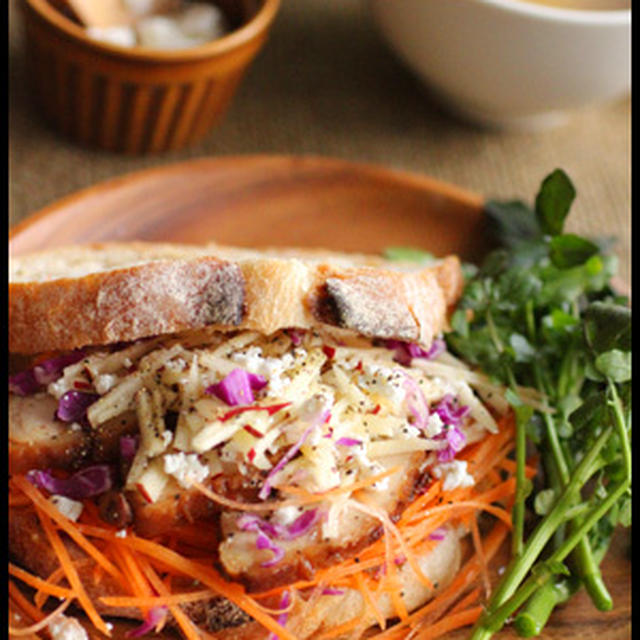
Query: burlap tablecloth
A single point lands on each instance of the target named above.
(325, 84)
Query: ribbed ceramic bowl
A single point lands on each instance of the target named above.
(138, 100)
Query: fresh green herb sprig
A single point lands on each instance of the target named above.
(540, 312)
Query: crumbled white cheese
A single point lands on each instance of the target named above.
(65, 628)
(185, 468)
(409, 431)
(104, 383)
(272, 369)
(67, 507)
(167, 437)
(434, 425)
(286, 515)
(455, 474)
(384, 381)
(74, 426)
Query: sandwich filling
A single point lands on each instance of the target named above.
(296, 451)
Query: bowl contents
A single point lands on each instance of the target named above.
(157, 24)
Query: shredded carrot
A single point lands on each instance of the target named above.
(370, 601)
(71, 573)
(303, 497)
(465, 602)
(23, 603)
(157, 601)
(450, 623)
(38, 583)
(180, 617)
(482, 560)
(41, 595)
(68, 526)
(40, 625)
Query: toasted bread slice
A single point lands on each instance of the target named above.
(104, 293)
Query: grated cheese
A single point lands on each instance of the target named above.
(360, 386)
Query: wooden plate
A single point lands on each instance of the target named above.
(304, 201)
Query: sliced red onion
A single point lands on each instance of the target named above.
(449, 411)
(296, 336)
(348, 442)
(50, 370)
(455, 442)
(42, 374)
(86, 483)
(73, 405)
(285, 601)
(416, 402)
(330, 591)
(318, 419)
(300, 526)
(23, 383)
(128, 447)
(152, 619)
(406, 351)
(237, 387)
(264, 542)
(302, 523)
(438, 534)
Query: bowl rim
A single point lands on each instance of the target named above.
(258, 24)
(534, 9)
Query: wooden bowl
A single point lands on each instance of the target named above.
(138, 100)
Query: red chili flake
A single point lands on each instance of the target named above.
(328, 351)
(251, 455)
(376, 410)
(143, 491)
(328, 418)
(253, 431)
(80, 384)
(238, 410)
(358, 367)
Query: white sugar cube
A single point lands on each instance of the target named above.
(122, 36)
(162, 32)
(203, 21)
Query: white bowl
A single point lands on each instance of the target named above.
(512, 63)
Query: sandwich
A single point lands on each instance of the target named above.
(237, 443)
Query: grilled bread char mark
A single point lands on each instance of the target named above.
(101, 294)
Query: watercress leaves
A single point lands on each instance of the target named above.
(554, 201)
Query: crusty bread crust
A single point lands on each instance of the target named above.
(105, 293)
(29, 547)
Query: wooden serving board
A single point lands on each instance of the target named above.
(258, 201)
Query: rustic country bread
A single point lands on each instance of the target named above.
(30, 548)
(105, 293)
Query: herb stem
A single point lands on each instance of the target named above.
(496, 620)
(521, 564)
